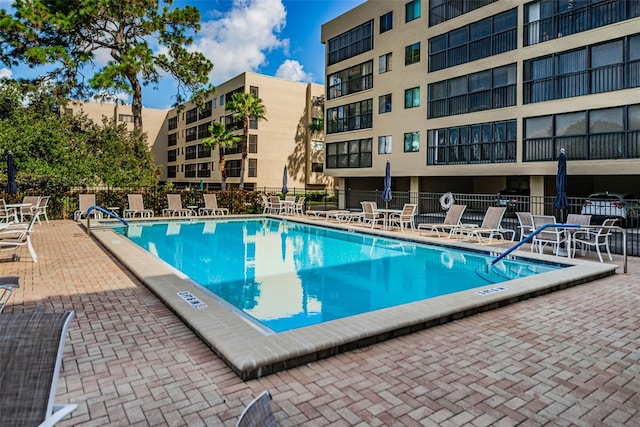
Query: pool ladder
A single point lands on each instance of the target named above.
(104, 211)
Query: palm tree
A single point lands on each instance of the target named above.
(223, 138)
(245, 106)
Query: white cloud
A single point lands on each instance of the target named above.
(111, 97)
(239, 40)
(293, 70)
(5, 72)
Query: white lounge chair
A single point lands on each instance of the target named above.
(452, 221)
(31, 350)
(16, 235)
(491, 226)
(174, 206)
(211, 206)
(258, 413)
(136, 207)
(8, 284)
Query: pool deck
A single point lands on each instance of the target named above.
(570, 357)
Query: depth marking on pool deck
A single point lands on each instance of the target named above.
(191, 299)
(492, 290)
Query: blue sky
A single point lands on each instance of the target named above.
(273, 37)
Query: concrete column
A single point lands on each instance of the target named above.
(414, 188)
(536, 186)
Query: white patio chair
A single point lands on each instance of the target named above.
(258, 413)
(594, 238)
(31, 351)
(406, 217)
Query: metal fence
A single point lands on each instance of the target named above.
(430, 211)
(65, 201)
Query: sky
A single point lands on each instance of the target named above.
(278, 38)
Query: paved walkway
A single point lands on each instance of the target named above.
(569, 358)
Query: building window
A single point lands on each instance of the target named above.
(350, 154)
(253, 144)
(191, 134)
(172, 156)
(190, 152)
(412, 54)
(485, 90)
(173, 123)
(206, 110)
(232, 168)
(171, 171)
(384, 104)
(204, 151)
(605, 67)
(412, 97)
(190, 171)
(172, 139)
(253, 123)
(317, 145)
(317, 167)
(412, 10)
(215, 102)
(253, 90)
(192, 115)
(384, 144)
(344, 118)
(351, 43)
(232, 124)
(203, 130)
(412, 142)
(203, 170)
(548, 20)
(125, 118)
(229, 96)
(493, 142)
(253, 168)
(443, 10)
(221, 100)
(385, 62)
(491, 36)
(350, 80)
(607, 133)
(386, 22)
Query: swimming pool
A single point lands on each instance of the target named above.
(252, 353)
(287, 275)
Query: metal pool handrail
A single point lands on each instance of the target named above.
(542, 227)
(111, 214)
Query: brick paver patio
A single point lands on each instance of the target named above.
(568, 358)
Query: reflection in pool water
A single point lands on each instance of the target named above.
(289, 275)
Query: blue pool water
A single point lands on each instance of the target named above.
(288, 275)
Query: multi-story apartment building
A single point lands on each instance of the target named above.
(153, 121)
(478, 96)
(284, 138)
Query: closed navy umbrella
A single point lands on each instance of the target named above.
(12, 187)
(386, 193)
(285, 190)
(561, 202)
